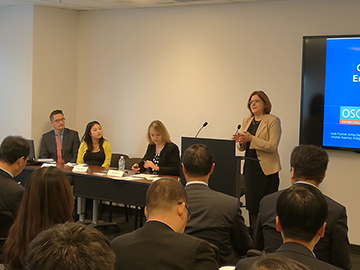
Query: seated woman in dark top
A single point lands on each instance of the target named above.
(162, 155)
(94, 149)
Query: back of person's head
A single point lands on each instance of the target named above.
(277, 263)
(302, 211)
(198, 160)
(309, 163)
(47, 200)
(12, 148)
(55, 112)
(159, 127)
(163, 194)
(70, 246)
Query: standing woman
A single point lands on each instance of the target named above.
(259, 137)
(47, 201)
(94, 149)
(162, 155)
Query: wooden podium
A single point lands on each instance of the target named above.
(226, 177)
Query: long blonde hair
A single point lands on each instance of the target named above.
(158, 126)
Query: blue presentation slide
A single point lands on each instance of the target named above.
(342, 93)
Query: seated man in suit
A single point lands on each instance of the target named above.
(161, 244)
(70, 246)
(308, 164)
(215, 216)
(302, 211)
(14, 152)
(61, 144)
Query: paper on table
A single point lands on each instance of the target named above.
(48, 160)
(48, 165)
(146, 176)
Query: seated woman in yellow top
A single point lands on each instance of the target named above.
(94, 149)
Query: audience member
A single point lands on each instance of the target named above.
(215, 216)
(308, 165)
(278, 263)
(47, 201)
(162, 155)
(94, 149)
(14, 151)
(61, 144)
(302, 211)
(161, 244)
(70, 246)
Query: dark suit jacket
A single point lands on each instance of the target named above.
(333, 248)
(70, 145)
(169, 163)
(294, 251)
(157, 246)
(10, 193)
(216, 218)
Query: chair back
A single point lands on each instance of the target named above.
(115, 159)
(131, 161)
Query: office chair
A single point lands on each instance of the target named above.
(115, 159)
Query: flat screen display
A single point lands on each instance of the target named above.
(330, 100)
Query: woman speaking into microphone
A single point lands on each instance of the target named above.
(259, 137)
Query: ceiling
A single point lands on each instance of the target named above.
(117, 4)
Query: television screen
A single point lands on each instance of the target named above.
(330, 98)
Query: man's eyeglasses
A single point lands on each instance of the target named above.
(188, 211)
(254, 101)
(58, 120)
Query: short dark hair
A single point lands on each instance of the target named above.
(164, 194)
(198, 160)
(309, 162)
(70, 246)
(276, 263)
(261, 94)
(54, 112)
(302, 211)
(12, 148)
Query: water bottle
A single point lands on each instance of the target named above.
(122, 163)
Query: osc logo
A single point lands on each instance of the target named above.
(349, 115)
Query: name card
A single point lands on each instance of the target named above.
(80, 169)
(115, 173)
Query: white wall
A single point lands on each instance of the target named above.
(16, 32)
(54, 68)
(188, 65)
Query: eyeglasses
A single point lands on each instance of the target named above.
(58, 120)
(254, 101)
(188, 211)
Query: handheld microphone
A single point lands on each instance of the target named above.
(204, 125)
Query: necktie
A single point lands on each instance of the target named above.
(58, 149)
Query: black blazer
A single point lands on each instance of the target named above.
(70, 145)
(333, 248)
(157, 246)
(169, 162)
(10, 193)
(294, 251)
(216, 217)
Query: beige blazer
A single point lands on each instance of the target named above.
(265, 142)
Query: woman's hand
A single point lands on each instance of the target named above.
(150, 164)
(236, 137)
(135, 167)
(244, 137)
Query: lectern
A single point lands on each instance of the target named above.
(226, 177)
